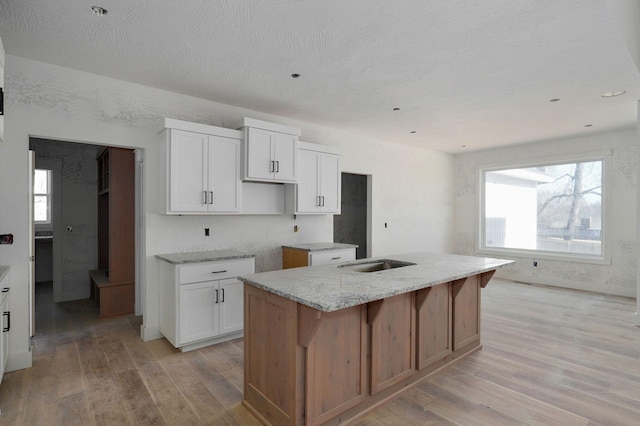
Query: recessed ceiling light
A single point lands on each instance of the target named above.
(396, 109)
(613, 93)
(554, 100)
(98, 11)
(295, 75)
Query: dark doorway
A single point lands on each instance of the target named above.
(350, 226)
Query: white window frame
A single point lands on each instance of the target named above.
(49, 198)
(605, 256)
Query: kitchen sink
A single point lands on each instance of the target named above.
(375, 265)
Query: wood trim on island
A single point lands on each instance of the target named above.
(307, 367)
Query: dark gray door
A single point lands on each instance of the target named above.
(351, 226)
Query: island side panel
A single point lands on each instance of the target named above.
(270, 385)
(337, 373)
(433, 323)
(466, 313)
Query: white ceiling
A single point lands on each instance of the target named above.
(474, 73)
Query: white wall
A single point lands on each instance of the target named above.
(412, 187)
(619, 277)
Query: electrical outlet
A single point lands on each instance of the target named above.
(295, 228)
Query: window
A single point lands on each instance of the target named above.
(42, 196)
(555, 209)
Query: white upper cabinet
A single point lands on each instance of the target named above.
(270, 152)
(318, 187)
(202, 170)
(2, 90)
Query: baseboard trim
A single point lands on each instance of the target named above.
(150, 333)
(19, 360)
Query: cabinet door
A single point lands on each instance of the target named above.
(466, 312)
(187, 171)
(392, 323)
(285, 155)
(260, 162)
(307, 188)
(224, 174)
(330, 183)
(231, 306)
(1, 85)
(433, 324)
(199, 309)
(4, 336)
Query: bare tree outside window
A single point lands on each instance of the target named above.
(553, 208)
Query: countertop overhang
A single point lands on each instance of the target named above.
(203, 256)
(313, 247)
(329, 288)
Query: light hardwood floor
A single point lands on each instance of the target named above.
(550, 357)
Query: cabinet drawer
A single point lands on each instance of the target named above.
(332, 256)
(209, 271)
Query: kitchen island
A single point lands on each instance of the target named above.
(324, 344)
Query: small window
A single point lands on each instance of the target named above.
(548, 208)
(42, 196)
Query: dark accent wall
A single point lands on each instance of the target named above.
(351, 225)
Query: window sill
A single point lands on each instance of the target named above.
(537, 255)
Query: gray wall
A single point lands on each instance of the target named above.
(350, 226)
(79, 211)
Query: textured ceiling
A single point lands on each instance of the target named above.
(474, 73)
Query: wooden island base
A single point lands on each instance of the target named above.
(307, 367)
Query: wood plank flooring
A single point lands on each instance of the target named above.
(550, 357)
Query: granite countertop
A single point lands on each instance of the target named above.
(320, 246)
(4, 270)
(333, 287)
(203, 256)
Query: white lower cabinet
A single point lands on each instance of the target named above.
(327, 257)
(202, 303)
(5, 326)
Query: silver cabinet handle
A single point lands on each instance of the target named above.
(205, 197)
(7, 315)
(216, 295)
(211, 194)
(323, 201)
(222, 301)
(277, 166)
(218, 272)
(272, 167)
(336, 258)
(318, 201)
